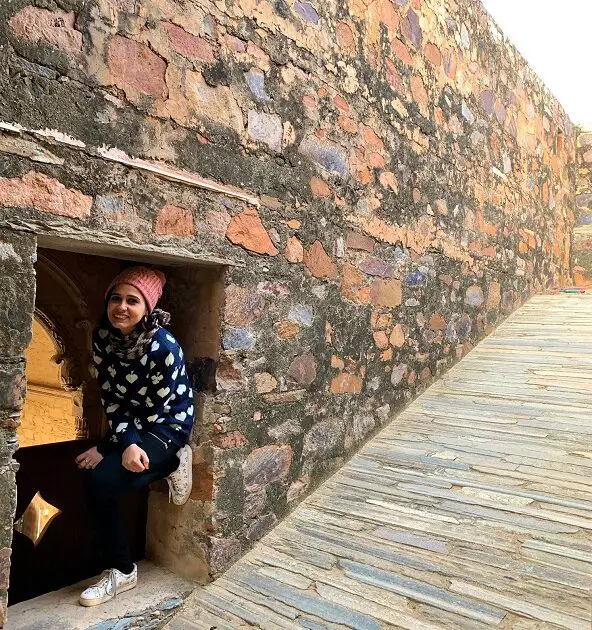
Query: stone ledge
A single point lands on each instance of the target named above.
(159, 593)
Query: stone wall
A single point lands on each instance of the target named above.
(17, 296)
(382, 180)
(582, 241)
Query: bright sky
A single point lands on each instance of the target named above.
(553, 37)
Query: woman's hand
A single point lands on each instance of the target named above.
(89, 459)
(135, 459)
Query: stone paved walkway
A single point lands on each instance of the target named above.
(473, 509)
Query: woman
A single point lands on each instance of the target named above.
(148, 401)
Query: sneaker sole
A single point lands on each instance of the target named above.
(106, 597)
(186, 496)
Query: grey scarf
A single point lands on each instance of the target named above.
(134, 345)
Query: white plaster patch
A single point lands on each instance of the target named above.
(7, 253)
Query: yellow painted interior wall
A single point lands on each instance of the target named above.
(48, 413)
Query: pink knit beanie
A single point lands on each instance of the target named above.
(149, 283)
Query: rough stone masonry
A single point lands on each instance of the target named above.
(392, 187)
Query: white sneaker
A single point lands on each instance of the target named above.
(111, 583)
(180, 480)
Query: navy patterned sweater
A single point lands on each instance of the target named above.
(149, 394)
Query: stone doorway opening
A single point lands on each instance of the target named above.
(51, 538)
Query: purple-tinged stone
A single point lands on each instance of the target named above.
(255, 501)
(303, 369)
(474, 296)
(261, 526)
(306, 11)
(223, 552)
(275, 289)
(414, 28)
(267, 464)
(376, 267)
(301, 314)
(459, 327)
(256, 80)
(265, 128)
(416, 279)
(325, 153)
(238, 339)
(209, 26)
(585, 219)
(487, 102)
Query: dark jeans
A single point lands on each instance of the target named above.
(108, 481)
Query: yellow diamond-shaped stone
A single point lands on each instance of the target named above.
(36, 518)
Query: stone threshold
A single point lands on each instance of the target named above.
(150, 605)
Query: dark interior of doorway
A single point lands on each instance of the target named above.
(70, 289)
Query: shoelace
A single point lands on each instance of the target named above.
(104, 581)
(113, 582)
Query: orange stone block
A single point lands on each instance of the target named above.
(397, 337)
(319, 263)
(246, 230)
(437, 322)
(341, 103)
(345, 383)
(389, 15)
(337, 363)
(380, 339)
(386, 293)
(352, 280)
(347, 124)
(364, 176)
(174, 221)
(46, 194)
(389, 180)
(419, 93)
(294, 251)
(393, 76)
(287, 330)
(345, 37)
(494, 296)
(375, 160)
(371, 138)
(135, 65)
(387, 355)
(432, 54)
(353, 240)
(401, 52)
(319, 187)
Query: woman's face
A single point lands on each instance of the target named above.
(125, 308)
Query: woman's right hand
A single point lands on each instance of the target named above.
(89, 459)
(135, 459)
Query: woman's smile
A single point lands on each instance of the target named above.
(125, 308)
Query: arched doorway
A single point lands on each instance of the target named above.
(51, 408)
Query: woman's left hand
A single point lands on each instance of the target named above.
(89, 459)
